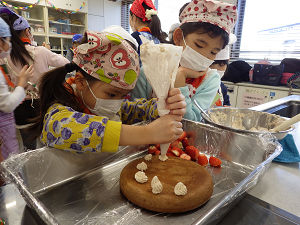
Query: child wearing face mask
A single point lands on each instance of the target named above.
(220, 64)
(24, 53)
(89, 113)
(203, 33)
(9, 100)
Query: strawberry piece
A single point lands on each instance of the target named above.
(192, 151)
(214, 161)
(170, 154)
(152, 149)
(157, 146)
(185, 142)
(202, 160)
(157, 152)
(177, 151)
(182, 136)
(176, 144)
(185, 156)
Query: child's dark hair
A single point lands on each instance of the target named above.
(19, 53)
(154, 25)
(221, 62)
(53, 88)
(212, 30)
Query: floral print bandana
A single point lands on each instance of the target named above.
(110, 58)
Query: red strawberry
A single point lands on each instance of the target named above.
(157, 146)
(185, 156)
(152, 149)
(157, 152)
(170, 154)
(213, 161)
(177, 151)
(202, 160)
(182, 136)
(192, 151)
(176, 144)
(185, 142)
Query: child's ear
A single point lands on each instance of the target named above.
(80, 81)
(178, 37)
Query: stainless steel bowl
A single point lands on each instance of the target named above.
(233, 119)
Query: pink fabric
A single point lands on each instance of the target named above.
(219, 13)
(109, 58)
(43, 59)
(138, 9)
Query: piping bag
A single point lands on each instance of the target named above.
(160, 63)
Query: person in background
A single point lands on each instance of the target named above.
(89, 113)
(144, 21)
(171, 31)
(203, 33)
(75, 42)
(220, 64)
(23, 53)
(9, 100)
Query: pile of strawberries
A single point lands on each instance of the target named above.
(181, 148)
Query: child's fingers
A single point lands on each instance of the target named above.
(180, 112)
(175, 98)
(177, 105)
(24, 69)
(174, 91)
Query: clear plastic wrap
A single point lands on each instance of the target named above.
(66, 188)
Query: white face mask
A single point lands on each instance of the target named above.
(5, 54)
(193, 60)
(221, 73)
(105, 107)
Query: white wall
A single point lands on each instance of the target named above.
(103, 13)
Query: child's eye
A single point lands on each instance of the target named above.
(198, 45)
(111, 95)
(214, 53)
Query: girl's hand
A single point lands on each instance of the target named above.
(176, 102)
(25, 74)
(165, 129)
(184, 73)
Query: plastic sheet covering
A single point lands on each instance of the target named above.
(83, 189)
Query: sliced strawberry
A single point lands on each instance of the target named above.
(157, 152)
(185, 142)
(157, 146)
(192, 151)
(170, 154)
(176, 144)
(152, 149)
(185, 156)
(214, 161)
(202, 160)
(177, 151)
(182, 136)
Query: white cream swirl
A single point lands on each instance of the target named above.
(180, 189)
(156, 185)
(142, 166)
(141, 177)
(148, 157)
(163, 157)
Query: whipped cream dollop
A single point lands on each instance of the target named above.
(142, 166)
(163, 157)
(156, 185)
(148, 157)
(140, 177)
(180, 189)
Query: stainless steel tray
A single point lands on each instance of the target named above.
(66, 188)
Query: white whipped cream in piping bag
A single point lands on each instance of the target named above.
(160, 63)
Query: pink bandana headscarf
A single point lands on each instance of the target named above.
(222, 14)
(109, 58)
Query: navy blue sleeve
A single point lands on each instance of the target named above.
(225, 95)
(136, 36)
